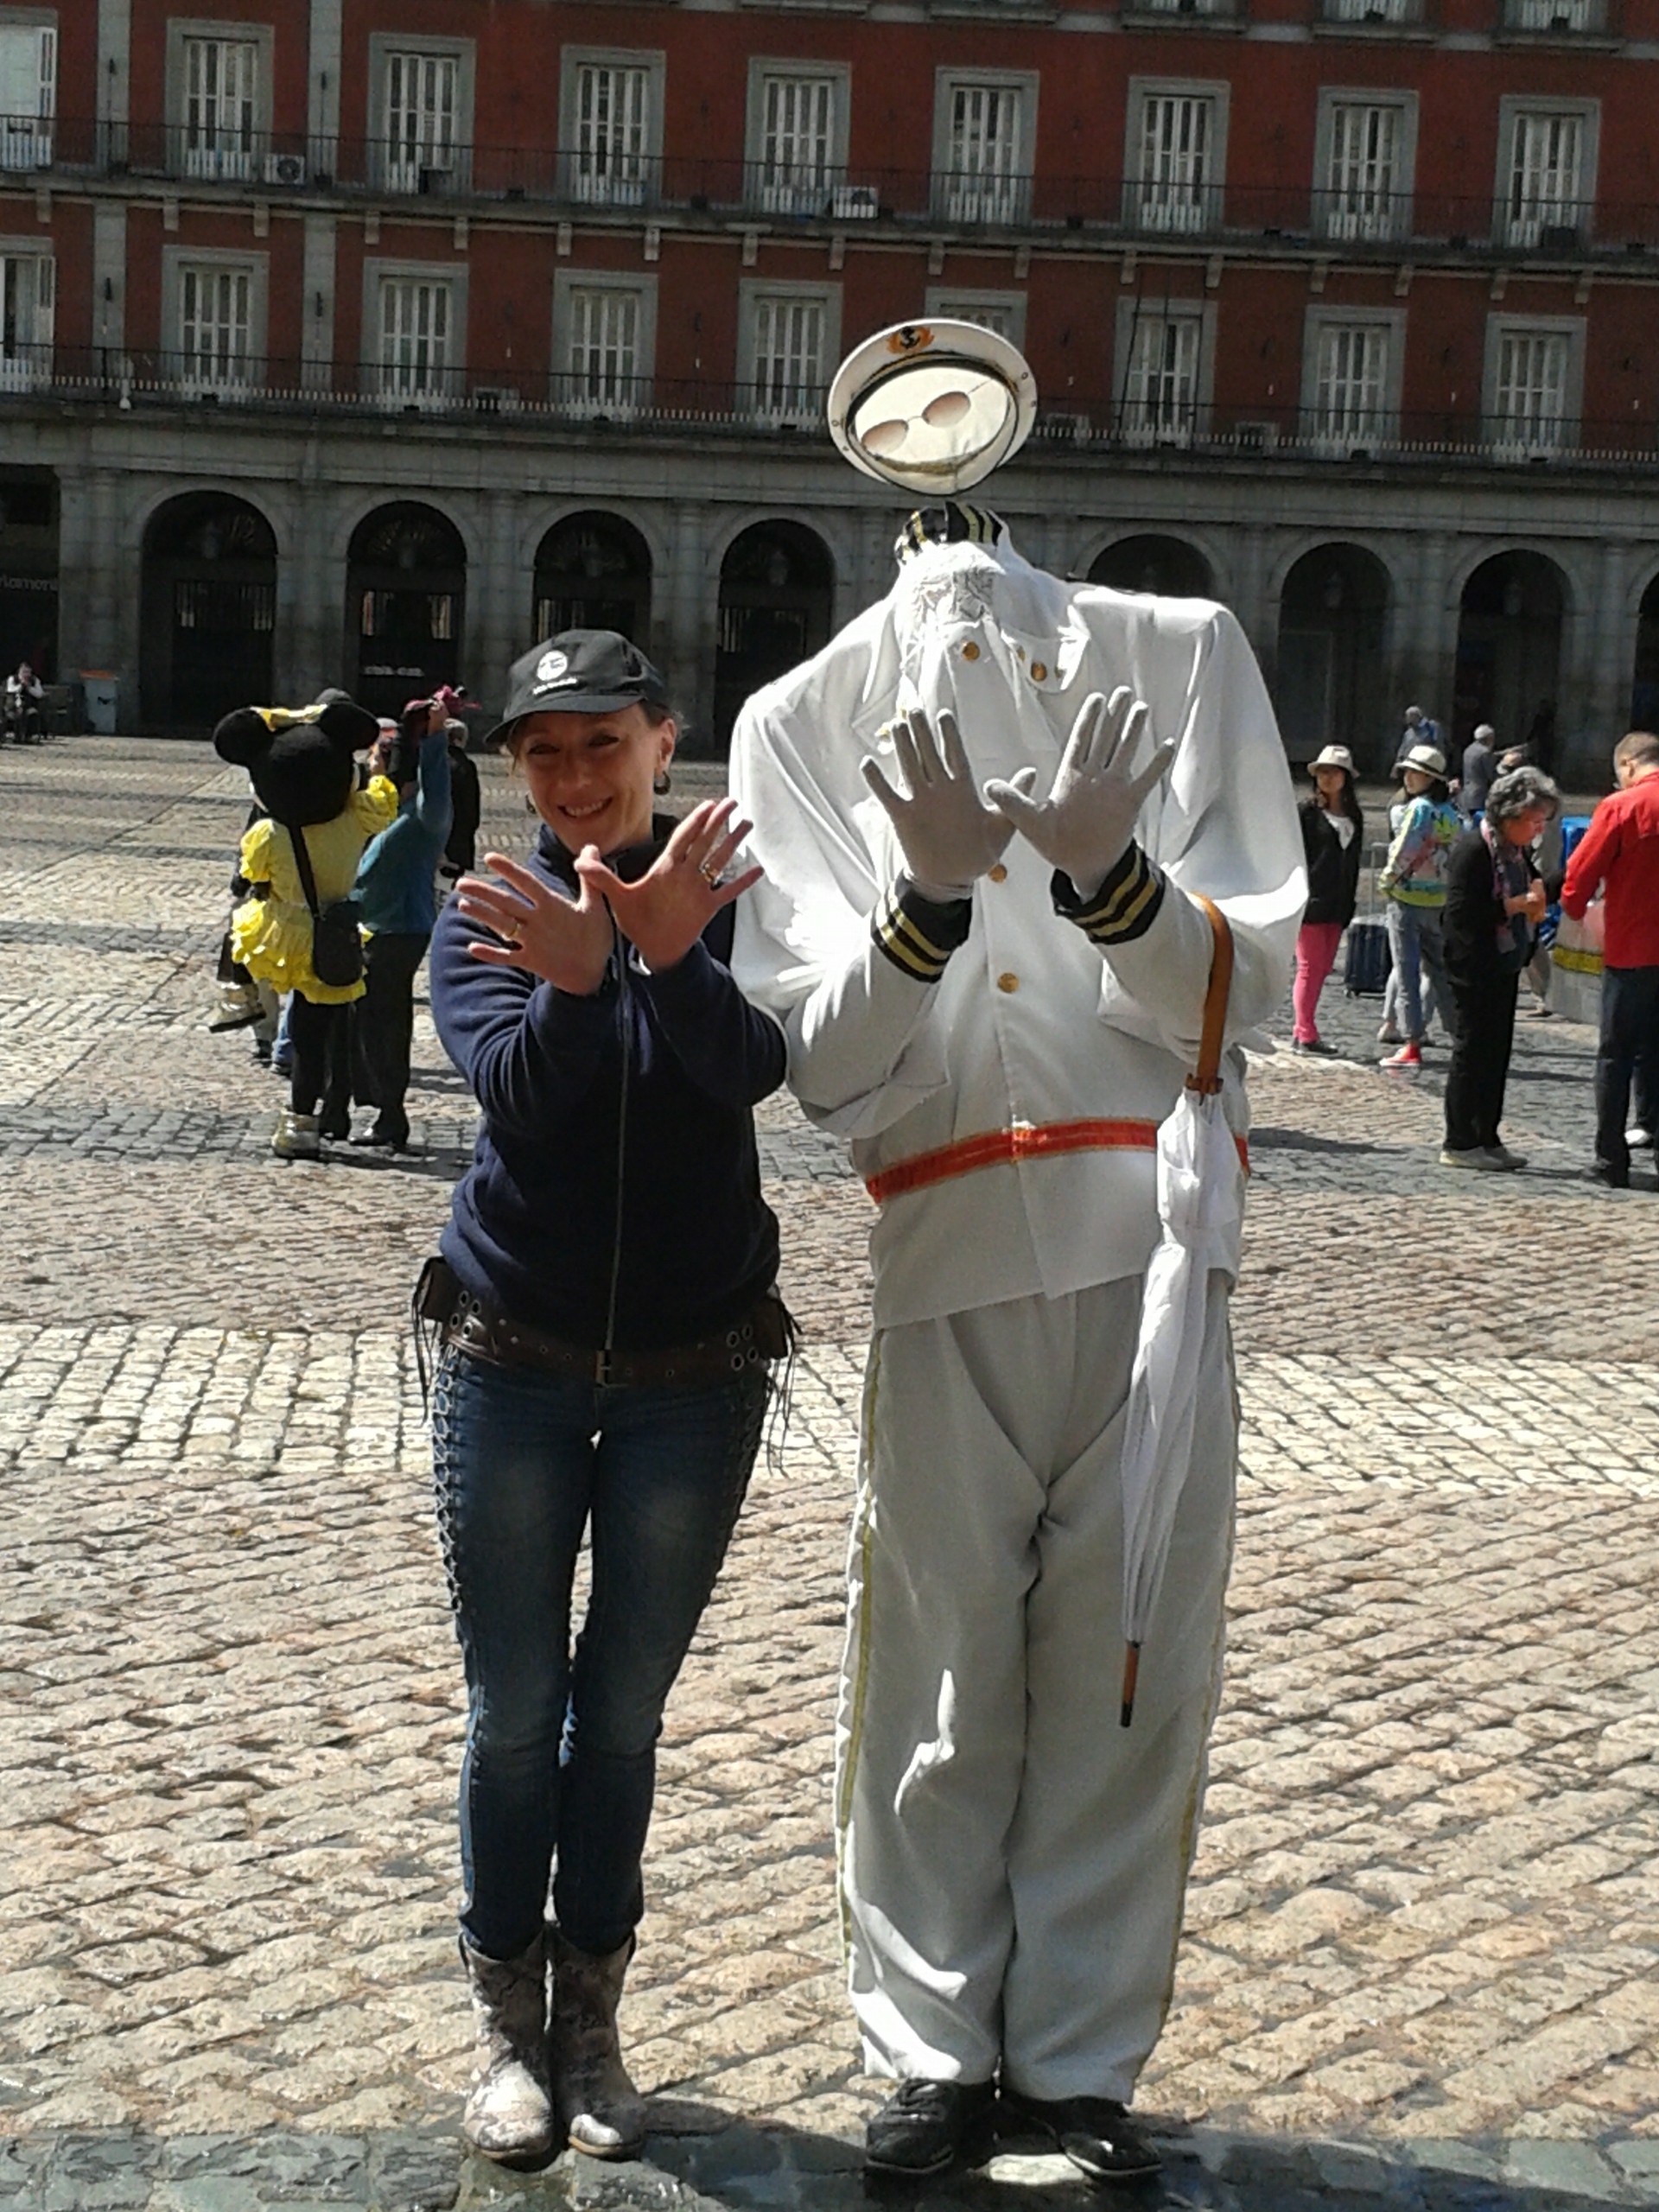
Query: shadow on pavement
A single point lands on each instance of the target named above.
(702, 2160)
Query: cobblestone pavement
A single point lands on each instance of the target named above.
(1419, 1963)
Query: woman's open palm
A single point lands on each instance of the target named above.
(664, 914)
(566, 942)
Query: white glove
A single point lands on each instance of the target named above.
(947, 833)
(1085, 825)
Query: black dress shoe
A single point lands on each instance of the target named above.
(1095, 2133)
(1614, 1178)
(926, 2128)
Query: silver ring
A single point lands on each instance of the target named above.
(714, 877)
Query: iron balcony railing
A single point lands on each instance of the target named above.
(1354, 212)
(781, 406)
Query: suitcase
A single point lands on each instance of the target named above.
(1365, 969)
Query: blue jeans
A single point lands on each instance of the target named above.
(560, 1765)
(1414, 940)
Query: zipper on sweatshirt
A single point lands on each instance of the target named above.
(625, 1030)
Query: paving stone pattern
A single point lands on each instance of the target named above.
(1419, 1962)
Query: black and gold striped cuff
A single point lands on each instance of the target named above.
(919, 934)
(1125, 906)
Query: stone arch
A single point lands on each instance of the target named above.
(592, 571)
(776, 607)
(1644, 669)
(1513, 607)
(1334, 604)
(405, 603)
(1155, 561)
(207, 594)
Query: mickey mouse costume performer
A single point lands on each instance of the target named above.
(993, 981)
(301, 764)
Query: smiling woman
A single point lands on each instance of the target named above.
(605, 1296)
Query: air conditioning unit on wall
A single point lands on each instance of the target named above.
(285, 169)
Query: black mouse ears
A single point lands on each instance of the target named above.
(244, 736)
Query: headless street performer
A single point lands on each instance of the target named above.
(990, 812)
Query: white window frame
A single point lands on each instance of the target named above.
(636, 181)
(227, 160)
(177, 261)
(567, 285)
(1523, 228)
(1499, 430)
(1135, 318)
(1371, 12)
(807, 406)
(449, 386)
(802, 190)
(1341, 211)
(1382, 426)
(1202, 210)
(1001, 311)
(27, 137)
(448, 165)
(1565, 18)
(999, 196)
(29, 367)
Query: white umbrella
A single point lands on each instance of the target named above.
(1201, 1210)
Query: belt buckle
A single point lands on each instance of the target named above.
(602, 1362)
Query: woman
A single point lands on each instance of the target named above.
(1412, 880)
(605, 1298)
(1495, 899)
(1331, 840)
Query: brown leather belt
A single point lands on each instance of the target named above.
(766, 1332)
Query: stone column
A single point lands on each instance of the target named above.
(1258, 621)
(685, 625)
(499, 601)
(1603, 700)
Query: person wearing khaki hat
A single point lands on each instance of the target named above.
(1412, 880)
(1333, 840)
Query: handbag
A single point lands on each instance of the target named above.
(336, 941)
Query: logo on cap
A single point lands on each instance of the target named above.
(910, 338)
(550, 667)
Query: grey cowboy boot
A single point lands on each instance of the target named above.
(509, 2115)
(598, 2106)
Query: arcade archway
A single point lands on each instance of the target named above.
(1328, 670)
(1509, 653)
(1167, 566)
(406, 603)
(593, 572)
(777, 592)
(208, 598)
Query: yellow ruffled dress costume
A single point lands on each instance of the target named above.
(271, 937)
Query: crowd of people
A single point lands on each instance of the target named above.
(355, 823)
(1021, 1007)
(1468, 886)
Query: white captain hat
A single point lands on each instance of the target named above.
(933, 405)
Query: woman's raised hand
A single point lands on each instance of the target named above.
(667, 911)
(566, 942)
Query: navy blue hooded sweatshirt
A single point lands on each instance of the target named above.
(614, 1194)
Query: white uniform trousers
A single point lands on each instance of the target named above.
(1013, 1862)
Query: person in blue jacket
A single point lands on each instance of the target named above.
(398, 906)
(606, 1297)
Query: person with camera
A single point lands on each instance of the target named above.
(394, 891)
(604, 1294)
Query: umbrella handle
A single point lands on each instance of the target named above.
(1131, 1673)
(1206, 1077)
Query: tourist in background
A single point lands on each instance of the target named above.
(1495, 900)
(1619, 856)
(1333, 840)
(1413, 881)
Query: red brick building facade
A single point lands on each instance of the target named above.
(359, 339)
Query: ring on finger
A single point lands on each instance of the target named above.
(713, 876)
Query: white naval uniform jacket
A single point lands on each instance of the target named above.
(1005, 1114)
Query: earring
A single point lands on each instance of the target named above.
(660, 783)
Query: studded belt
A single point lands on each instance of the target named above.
(766, 1332)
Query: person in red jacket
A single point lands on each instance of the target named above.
(1619, 854)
